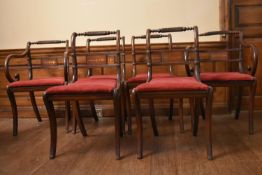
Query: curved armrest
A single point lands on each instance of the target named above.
(189, 70)
(7, 61)
(252, 69)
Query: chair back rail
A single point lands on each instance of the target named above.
(95, 58)
(171, 61)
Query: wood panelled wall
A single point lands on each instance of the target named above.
(104, 108)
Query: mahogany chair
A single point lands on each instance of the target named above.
(90, 89)
(173, 87)
(237, 72)
(139, 60)
(34, 61)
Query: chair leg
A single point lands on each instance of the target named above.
(128, 107)
(209, 124)
(251, 107)
(93, 110)
(117, 125)
(202, 109)
(239, 101)
(12, 100)
(139, 126)
(53, 126)
(76, 114)
(152, 116)
(171, 108)
(196, 116)
(33, 102)
(181, 114)
(123, 112)
(192, 104)
(67, 115)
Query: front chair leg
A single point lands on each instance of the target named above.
(117, 125)
(251, 107)
(209, 124)
(53, 126)
(139, 126)
(12, 100)
(33, 102)
(128, 110)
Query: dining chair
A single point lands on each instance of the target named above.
(33, 61)
(174, 87)
(139, 61)
(239, 62)
(91, 89)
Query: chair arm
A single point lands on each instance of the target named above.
(7, 62)
(189, 70)
(254, 49)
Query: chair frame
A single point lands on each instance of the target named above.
(74, 98)
(129, 86)
(195, 94)
(231, 36)
(31, 89)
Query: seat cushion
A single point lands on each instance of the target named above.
(38, 82)
(224, 76)
(103, 76)
(86, 86)
(141, 78)
(171, 84)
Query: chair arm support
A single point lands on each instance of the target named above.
(7, 64)
(254, 49)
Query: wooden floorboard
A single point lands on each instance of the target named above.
(235, 152)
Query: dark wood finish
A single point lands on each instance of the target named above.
(234, 56)
(105, 59)
(196, 94)
(32, 64)
(139, 60)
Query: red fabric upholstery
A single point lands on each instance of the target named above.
(103, 76)
(224, 76)
(141, 78)
(86, 86)
(38, 82)
(172, 84)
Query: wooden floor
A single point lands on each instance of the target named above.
(235, 152)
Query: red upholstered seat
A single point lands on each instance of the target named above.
(87, 85)
(225, 76)
(141, 78)
(103, 76)
(172, 84)
(38, 82)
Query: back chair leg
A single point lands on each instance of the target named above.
(202, 109)
(33, 102)
(181, 114)
(117, 125)
(76, 114)
(171, 108)
(53, 126)
(251, 107)
(152, 116)
(139, 126)
(93, 110)
(209, 124)
(129, 112)
(12, 100)
(67, 115)
(196, 116)
(239, 101)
